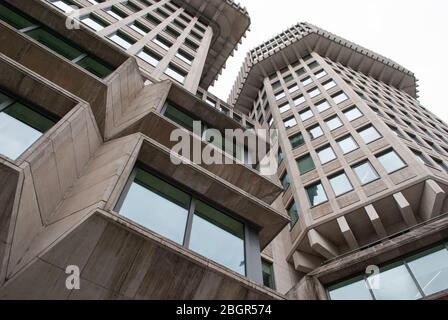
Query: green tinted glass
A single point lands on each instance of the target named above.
(179, 117)
(29, 117)
(95, 67)
(55, 43)
(14, 19)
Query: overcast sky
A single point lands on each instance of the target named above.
(411, 32)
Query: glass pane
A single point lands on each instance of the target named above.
(94, 23)
(316, 194)
(353, 289)
(285, 181)
(353, 114)
(366, 173)
(156, 205)
(334, 123)
(305, 164)
(292, 212)
(305, 115)
(348, 144)
(396, 284)
(30, 117)
(55, 43)
(268, 274)
(64, 5)
(323, 105)
(326, 155)
(179, 117)
(15, 136)
(14, 19)
(315, 132)
(95, 67)
(122, 41)
(431, 270)
(218, 237)
(369, 135)
(391, 161)
(297, 140)
(149, 57)
(341, 184)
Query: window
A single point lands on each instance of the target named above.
(122, 40)
(179, 116)
(326, 154)
(268, 274)
(297, 140)
(293, 213)
(323, 105)
(56, 43)
(421, 158)
(155, 21)
(306, 114)
(315, 132)
(20, 126)
(276, 85)
(117, 14)
(314, 93)
(369, 134)
(149, 56)
(162, 42)
(293, 88)
(306, 81)
(190, 44)
(441, 164)
(340, 184)
(365, 172)
(280, 95)
(339, 97)
(290, 122)
(299, 100)
(391, 161)
(329, 84)
(64, 5)
(94, 22)
(285, 180)
(353, 289)
(305, 164)
(320, 74)
(140, 28)
(165, 209)
(316, 194)
(333, 123)
(284, 108)
(173, 33)
(131, 6)
(176, 73)
(185, 56)
(352, 113)
(347, 144)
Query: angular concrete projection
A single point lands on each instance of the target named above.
(322, 245)
(305, 262)
(347, 233)
(405, 208)
(432, 200)
(376, 221)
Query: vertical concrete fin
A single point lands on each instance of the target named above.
(321, 245)
(432, 200)
(405, 208)
(347, 233)
(376, 221)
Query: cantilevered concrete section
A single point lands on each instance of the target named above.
(229, 22)
(301, 40)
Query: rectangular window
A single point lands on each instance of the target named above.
(306, 114)
(306, 81)
(347, 144)
(314, 93)
(366, 172)
(20, 126)
(284, 108)
(173, 33)
(391, 161)
(155, 21)
(316, 194)
(339, 97)
(293, 88)
(333, 123)
(117, 14)
(421, 158)
(131, 6)
(285, 180)
(322, 106)
(162, 42)
(179, 116)
(293, 213)
(165, 209)
(64, 5)
(122, 40)
(290, 122)
(280, 95)
(329, 84)
(315, 132)
(185, 56)
(340, 184)
(299, 100)
(305, 164)
(369, 134)
(190, 44)
(268, 274)
(140, 28)
(149, 56)
(176, 73)
(326, 154)
(320, 74)
(94, 23)
(352, 113)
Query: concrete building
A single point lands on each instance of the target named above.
(90, 94)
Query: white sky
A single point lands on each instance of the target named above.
(411, 32)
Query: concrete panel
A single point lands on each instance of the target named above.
(432, 200)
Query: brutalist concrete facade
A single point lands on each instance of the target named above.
(59, 200)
